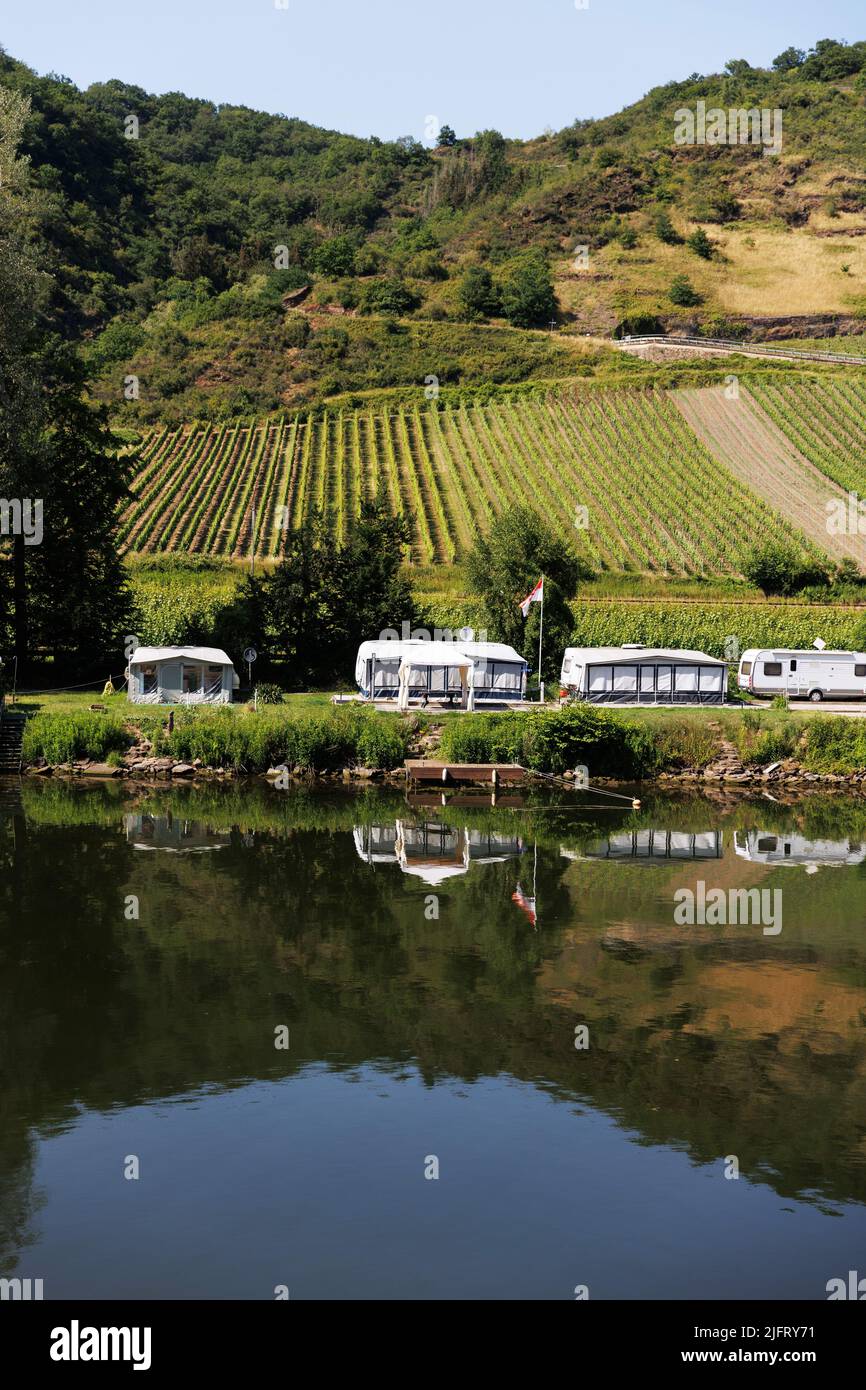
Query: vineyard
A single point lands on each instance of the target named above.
(827, 423)
(709, 627)
(619, 473)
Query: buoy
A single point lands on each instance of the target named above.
(635, 805)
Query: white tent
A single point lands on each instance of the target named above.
(181, 676)
(457, 671)
(637, 675)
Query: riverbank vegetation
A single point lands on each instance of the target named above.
(634, 744)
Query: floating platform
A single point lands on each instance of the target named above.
(449, 774)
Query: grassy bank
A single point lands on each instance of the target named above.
(632, 744)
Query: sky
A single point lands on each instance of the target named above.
(397, 67)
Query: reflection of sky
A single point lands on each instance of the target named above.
(320, 1185)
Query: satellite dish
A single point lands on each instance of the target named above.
(819, 644)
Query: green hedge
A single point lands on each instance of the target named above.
(554, 741)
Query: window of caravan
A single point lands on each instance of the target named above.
(600, 679)
(148, 680)
(566, 665)
(793, 665)
(686, 678)
(772, 668)
(665, 678)
(860, 670)
(746, 668)
(647, 678)
(625, 679)
(711, 678)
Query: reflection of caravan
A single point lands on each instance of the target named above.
(432, 851)
(653, 846)
(639, 675)
(807, 675)
(764, 847)
(174, 834)
(459, 672)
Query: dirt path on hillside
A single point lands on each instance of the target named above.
(740, 435)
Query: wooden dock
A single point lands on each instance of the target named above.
(450, 774)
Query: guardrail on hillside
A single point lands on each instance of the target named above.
(733, 345)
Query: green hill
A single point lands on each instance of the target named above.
(225, 261)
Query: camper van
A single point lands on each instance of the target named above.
(807, 675)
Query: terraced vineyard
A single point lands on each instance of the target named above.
(654, 498)
(826, 421)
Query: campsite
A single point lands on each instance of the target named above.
(432, 673)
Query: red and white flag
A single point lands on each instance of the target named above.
(525, 904)
(537, 596)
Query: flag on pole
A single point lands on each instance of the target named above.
(525, 904)
(537, 596)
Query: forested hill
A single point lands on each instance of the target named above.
(165, 216)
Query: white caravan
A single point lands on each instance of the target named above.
(806, 675)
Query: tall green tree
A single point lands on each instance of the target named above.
(528, 298)
(506, 564)
(324, 598)
(62, 585)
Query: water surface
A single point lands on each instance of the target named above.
(428, 967)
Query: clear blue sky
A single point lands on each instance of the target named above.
(382, 67)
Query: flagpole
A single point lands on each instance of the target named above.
(540, 636)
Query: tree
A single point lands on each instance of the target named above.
(700, 243)
(789, 59)
(324, 598)
(446, 137)
(778, 568)
(336, 256)
(67, 593)
(506, 564)
(477, 292)
(665, 229)
(528, 298)
(628, 238)
(738, 67)
(683, 293)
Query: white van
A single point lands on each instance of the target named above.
(806, 675)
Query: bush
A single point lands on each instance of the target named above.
(253, 742)
(267, 693)
(683, 292)
(781, 569)
(554, 741)
(62, 738)
(835, 743)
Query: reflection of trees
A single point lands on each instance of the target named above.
(298, 930)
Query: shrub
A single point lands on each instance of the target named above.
(835, 743)
(267, 693)
(381, 743)
(780, 569)
(554, 741)
(683, 292)
(63, 737)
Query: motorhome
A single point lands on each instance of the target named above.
(810, 674)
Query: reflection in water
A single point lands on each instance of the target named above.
(173, 833)
(653, 846)
(432, 851)
(764, 847)
(412, 1035)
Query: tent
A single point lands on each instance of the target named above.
(181, 676)
(460, 672)
(637, 675)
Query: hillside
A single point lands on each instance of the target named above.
(235, 262)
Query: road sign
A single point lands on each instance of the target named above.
(250, 655)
